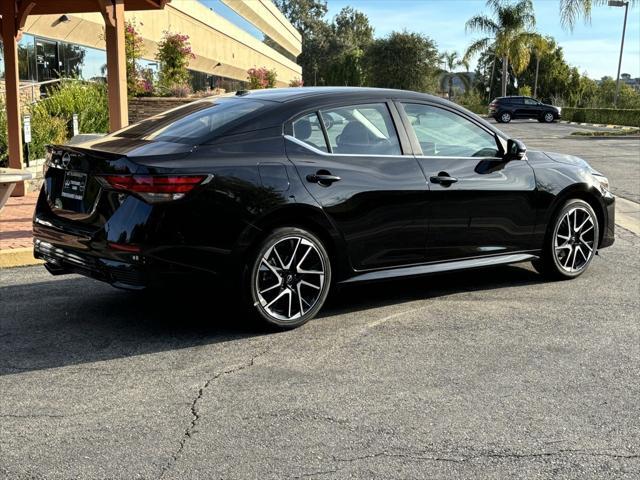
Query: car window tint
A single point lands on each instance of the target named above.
(442, 133)
(192, 123)
(308, 130)
(361, 129)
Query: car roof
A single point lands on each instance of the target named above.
(283, 95)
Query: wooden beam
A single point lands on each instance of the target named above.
(116, 65)
(12, 92)
(23, 12)
(107, 12)
(48, 7)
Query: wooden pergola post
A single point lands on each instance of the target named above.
(113, 13)
(12, 91)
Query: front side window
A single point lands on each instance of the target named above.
(361, 129)
(530, 101)
(308, 130)
(442, 133)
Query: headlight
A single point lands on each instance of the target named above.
(559, 109)
(603, 181)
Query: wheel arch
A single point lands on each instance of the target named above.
(307, 217)
(581, 192)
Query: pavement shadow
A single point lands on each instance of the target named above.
(74, 320)
(364, 296)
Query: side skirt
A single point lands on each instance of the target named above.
(441, 267)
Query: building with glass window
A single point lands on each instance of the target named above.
(227, 37)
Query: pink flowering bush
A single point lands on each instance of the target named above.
(134, 49)
(296, 82)
(261, 78)
(174, 53)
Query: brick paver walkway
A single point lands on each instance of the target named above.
(15, 222)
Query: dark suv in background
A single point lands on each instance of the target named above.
(503, 109)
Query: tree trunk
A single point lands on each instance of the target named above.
(493, 70)
(505, 75)
(535, 84)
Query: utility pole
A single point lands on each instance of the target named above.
(625, 4)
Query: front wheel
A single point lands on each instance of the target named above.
(548, 117)
(571, 242)
(290, 277)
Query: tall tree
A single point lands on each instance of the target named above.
(447, 75)
(508, 32)
(403, 60)
(307, 16)
(572, 10)
(541, 47)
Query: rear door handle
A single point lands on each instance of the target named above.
(324, 179)
(443, 179)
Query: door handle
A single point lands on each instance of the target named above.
(443, 178)
(322, 178)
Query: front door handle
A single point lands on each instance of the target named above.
(444, 179)
(323, 178)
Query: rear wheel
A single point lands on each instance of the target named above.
(571, 242)
(290, 278)
(505, 117)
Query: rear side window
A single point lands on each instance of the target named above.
(361, 129)
(307, 129)
(193, 123)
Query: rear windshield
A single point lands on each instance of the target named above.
(193, 123)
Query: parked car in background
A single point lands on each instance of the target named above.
(504, 109)
(285, 193)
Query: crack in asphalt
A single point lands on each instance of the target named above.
(195, 414)
(419, 456)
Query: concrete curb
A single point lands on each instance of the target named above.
(595, 125)
(17, 257)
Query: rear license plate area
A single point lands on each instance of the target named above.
(74, 185)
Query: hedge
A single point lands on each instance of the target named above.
(608, 116)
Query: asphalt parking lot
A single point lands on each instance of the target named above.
(487, 374)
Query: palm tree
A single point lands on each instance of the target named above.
(448, 74)
(541, 47)
(572, 10)
(508, 32)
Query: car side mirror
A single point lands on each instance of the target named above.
(516, 150)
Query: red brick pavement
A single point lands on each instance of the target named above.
(15, 222)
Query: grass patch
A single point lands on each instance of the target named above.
(607, 133)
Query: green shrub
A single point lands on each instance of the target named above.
(608, 116)
(44, 130)
(472, 100)
(88, 100)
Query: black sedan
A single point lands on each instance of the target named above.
(287, 192)
(504, 109)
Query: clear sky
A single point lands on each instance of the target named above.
(593, 48)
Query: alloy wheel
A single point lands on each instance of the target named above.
(505, 117)
(575, 240)
(290, 278)
(548, 117)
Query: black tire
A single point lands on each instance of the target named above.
(278, 265)
(504, 117)
(562, 244)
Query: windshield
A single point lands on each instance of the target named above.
(192, 123)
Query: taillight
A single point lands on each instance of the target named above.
(155, 188)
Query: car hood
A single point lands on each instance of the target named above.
(571, 160)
